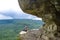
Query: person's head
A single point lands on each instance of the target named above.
(26, 26)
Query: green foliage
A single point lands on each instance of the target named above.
(18, 38)
(9, 31)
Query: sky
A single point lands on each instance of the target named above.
(9, 9)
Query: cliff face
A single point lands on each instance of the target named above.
(48, 12)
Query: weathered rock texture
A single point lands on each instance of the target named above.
(46, 10)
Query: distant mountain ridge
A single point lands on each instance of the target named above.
(7, 21)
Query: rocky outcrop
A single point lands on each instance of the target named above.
(48, 12)
(40, 34)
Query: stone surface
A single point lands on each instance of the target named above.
(46, 10)
(37, 35)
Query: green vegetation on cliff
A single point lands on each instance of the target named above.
(9, 29)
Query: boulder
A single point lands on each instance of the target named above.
(46, 10)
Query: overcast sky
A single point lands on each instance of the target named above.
(9, 9)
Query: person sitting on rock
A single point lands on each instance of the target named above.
(25, 29)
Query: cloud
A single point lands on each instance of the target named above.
(9, 4)
(10, 10)
(37, 18)
(18, 15)
(5, 17)
(28, 16)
